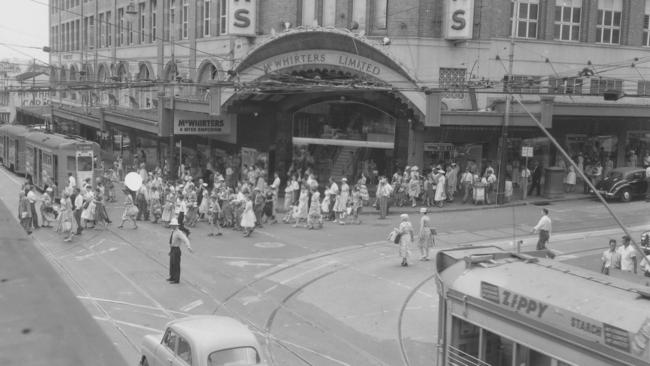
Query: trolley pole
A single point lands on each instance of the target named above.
(503, 141)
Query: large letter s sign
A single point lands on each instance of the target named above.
(241, 18)
(459, 20)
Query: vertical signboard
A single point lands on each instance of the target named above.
(242, 17)
(458, 19)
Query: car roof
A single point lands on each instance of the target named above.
(210, 333)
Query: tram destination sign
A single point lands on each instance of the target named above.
(571, 322)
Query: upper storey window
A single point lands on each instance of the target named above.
(608, 28)
(646, 24)
(567, 19)
(316, 13)
(525, 15)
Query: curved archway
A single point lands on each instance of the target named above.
(145, 71)
(74, 73)
(170, 72)
(209, 71)
(87, 72)
(123, 72)
(103, 73)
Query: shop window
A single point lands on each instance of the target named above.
(452, 80)
(643, 88)
(567, 19)
(646, 24)
(608, 28)
(565, 85)
(599, 86)
(523, 84)
(525, 16)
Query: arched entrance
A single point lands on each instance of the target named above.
(339, 105)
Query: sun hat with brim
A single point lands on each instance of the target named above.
(423, 210)
(173, 222)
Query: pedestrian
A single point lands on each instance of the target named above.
(536, 176)
(384, 191)
(248, 217)
(414, 186)
(570, 180)
(647, 179)
(101, 216)
(342, 199)
(334, 192)
(628, 256)
(452, 181)
(130, 210)
(33, 198)
(610, 258)
(155, 206)
(315, 218)
(302, 213)
(543, 227)
(214, 210)
(405, 232)
(88, 212)
(466, 181)
(441, 196)
(47, 209)
(24, 212)
(77, 205)
(64, 220)
(176, 238)
(426, 236)
(168, 208)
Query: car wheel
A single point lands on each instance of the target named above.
(626, 195)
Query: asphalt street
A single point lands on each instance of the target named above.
(335, 296)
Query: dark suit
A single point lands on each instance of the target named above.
(176, 238)
(536, 178)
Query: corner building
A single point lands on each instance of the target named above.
(351, 86)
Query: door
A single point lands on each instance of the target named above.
(165, 354)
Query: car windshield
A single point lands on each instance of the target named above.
(615, 175)
(234, 357)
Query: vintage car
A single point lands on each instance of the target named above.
(206, 340)
(623, 184)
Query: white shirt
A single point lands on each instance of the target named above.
(647, 173)
(334, 189)
(627, 253)
(78, 202)
(544, 224)
(644, 266)
(72, 182)
(610, 258)
(31, 196)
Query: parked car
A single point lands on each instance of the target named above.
(207, 340)
(623, 184)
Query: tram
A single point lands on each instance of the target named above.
(504, 309)
(50, 157)
(12, 147)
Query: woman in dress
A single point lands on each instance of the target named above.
(24, 212)
(315, 217)
(88, 213)
(440, 189)
(130, 210)
(204, 206)
(155, 207)
(168, 209)
(357, 205)
(426, 239)
(65, 218)
(341, 204)
(303, 206)
(570, 180)
(47, 208)
(248, 217)
(214, 210)
(192, 215)
(405, 230)
(414, 186)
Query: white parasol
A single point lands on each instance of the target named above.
(133, 181)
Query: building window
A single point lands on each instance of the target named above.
(142, 15)
(91, 32)
(525, 16)
(452, 80)
(523, 84)
(109, 34)
(329, 13)
(171, 20)
(153, 7)
(206, 18)
(309, 17)
(643, 88)
(4, 99)
(184, 16)
(101, 32)
(223, 16)
(599, 85)
(608, 29)
(4, 117)
(565, 85)
(379, 14)
(646, 24)
(77, 28)
(120, 25)
(359, 14)
(567, 19)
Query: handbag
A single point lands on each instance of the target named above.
(24, 214)
(392, 235)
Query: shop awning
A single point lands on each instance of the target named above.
(339, 142)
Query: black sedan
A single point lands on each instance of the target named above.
(623, 184)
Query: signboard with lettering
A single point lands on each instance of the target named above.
(242, 17)
(439, 146)
(187, 123)
(527, 151)
(574, 323)
(459, 19)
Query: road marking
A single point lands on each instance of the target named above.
(133, 325)
(193, 305)
(250, 299)
(142, 306)
(248, 258)
(242, 264)
(327, 264)
(82, 257)
(269, 244)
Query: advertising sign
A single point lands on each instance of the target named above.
(242, 17)
(527, 151)
(458, 19)
(188, 123)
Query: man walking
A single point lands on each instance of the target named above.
(537, 178)
(176, 238)
(628, 256)
(543, 227)
(32, 197)
(77, 206)
(383, 193)
(610, 258)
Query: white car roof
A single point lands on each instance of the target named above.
(209, 333)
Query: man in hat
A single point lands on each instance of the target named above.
(384, 190)
(176, 238)
(627, 253)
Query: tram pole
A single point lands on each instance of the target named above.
(587, 181)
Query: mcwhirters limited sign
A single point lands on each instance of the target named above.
(200, 124)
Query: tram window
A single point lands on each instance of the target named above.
(498, 350)
(71, 163)
(465, 337)
(530, 357)
(85, 163)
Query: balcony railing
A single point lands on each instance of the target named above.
(456, 357)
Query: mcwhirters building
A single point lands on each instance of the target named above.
(352, 86)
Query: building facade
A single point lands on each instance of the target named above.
(351, 86)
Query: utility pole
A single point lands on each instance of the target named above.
(503, 141)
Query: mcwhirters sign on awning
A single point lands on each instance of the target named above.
(200, 124)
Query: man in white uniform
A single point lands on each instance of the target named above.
(628, 256)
